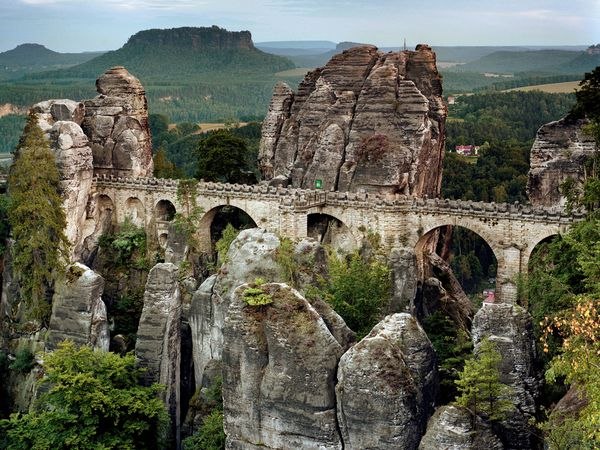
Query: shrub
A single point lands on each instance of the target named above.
(24, 361)
(223, 244)
(357, 288)
(255, 295)
(210, 436)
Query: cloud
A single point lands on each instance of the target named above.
(125, 4)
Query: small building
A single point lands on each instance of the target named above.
(467, 150)
(451, 100)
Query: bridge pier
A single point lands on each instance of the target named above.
(507, 275)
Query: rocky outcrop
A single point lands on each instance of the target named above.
(403, 263)
(559, 153)
(453, 428)
(61, 121)
(78, 312)
(158, 345)
(510, 328)
(367, 120)
(253, 254)
(279, 363)
(386, 386)
(116, 123)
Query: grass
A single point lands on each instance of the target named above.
(552, 88)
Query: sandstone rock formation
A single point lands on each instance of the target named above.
(510, 328)
(158, 342)
(78, 312)
(61, 120)
(253, 254)
(386, 386)
(116, 123)
(279, 364)
(559, 152)
(403, 263)
(366, 120)
(452, 428)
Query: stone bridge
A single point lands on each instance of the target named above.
(511, 230)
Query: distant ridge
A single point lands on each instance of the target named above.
(563, 61)
(176, 52)
(31, 58)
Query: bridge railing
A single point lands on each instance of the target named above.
(303, 199)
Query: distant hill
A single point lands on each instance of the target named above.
(179, 52)
(549, 61)
(298, 45)
(31, 58)
(190, 74)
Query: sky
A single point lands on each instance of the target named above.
(93, 25)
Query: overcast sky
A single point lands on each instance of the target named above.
(80, 25)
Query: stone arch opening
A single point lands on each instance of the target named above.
(164, 211)
(330, 230)
(135, 211)
(472, 260)
(540, 250)
(216, 220)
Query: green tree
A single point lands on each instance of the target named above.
(479, 385)
(222, 157)
(358, 288)
(89, 400)
(37, 219)
(163, 167)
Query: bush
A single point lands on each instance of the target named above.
(128, 245)
(223, 244)
(255, 295)
(210, 436)
(358, 288)
(24, 361)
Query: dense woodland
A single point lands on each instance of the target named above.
(504, 126)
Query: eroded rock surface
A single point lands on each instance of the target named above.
(452, 428)
(158, 345)
(510, 328)
(60, 120)
(386, 386)
(403, 263)
(367, 120)
(252, 255)
(116, 122)
(78, 312)
(559, 152)
(280, 364)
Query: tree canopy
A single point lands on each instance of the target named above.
(89, 400)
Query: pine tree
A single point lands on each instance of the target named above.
(37, 219)
(479, 385)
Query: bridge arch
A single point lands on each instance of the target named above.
(329, 229)
(474, 261)
(531, 249)
(135, 211)
(214, 221)
(164, 211)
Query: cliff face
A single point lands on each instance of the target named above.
(206, 38)
(367, 120)
(560, 152)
